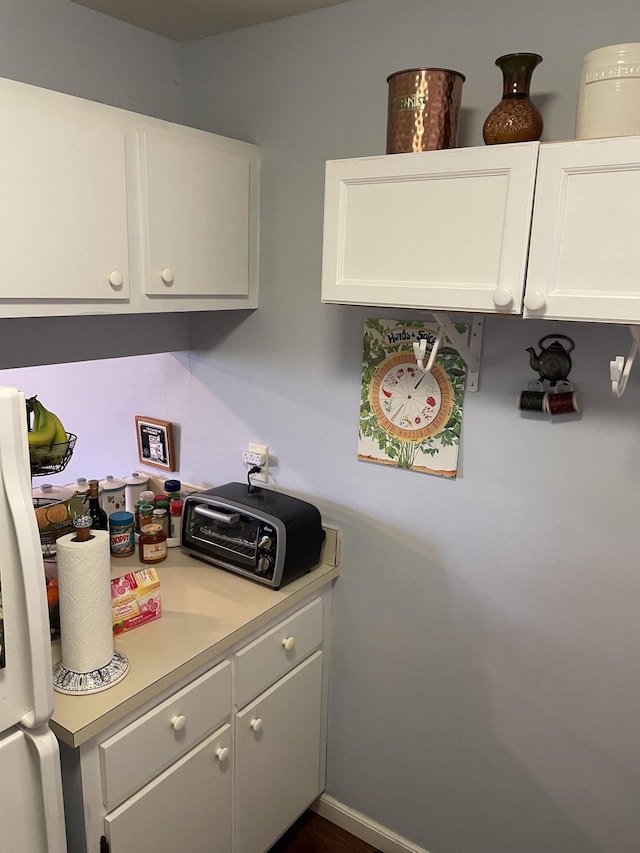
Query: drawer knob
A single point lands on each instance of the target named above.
(256, 724)
(115, 279)
(167, 275)
(289, 644)
(178, 722)
(222, 753)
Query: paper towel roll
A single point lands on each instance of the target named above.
(84, 582)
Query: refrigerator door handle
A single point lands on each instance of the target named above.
(16, 473)
(46, 746)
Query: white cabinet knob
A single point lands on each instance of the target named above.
(256, 724)
(534, 301)
(178, 723)
(502, 297)
(167, 275)
(288, 644)
(115, 278)
(222, 753)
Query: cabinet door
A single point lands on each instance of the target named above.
(188, 807)
(196, 218)
(437, 229)
(278, 742)
(63, 204)
(585, 252)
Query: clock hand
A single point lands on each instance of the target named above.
(415, 387)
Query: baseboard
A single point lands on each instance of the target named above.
(362, 827)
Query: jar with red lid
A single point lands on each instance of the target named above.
(152, 544)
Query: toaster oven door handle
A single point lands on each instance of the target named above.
(216, 515)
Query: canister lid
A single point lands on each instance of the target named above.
(111, 483)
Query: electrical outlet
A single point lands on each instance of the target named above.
(259, 453)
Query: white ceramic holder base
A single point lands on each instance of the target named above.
(80, 683)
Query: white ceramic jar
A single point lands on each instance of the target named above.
(112, 495)
(135, 484)
(609, 97)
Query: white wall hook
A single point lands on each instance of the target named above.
(420, 349)
(620, 368)
(468, 348)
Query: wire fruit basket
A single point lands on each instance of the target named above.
(49, 459)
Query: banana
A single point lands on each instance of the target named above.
(61, 433)
(44, 426)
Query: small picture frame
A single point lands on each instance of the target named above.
(155, 443)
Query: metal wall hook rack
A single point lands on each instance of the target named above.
(468, 346)
(620, 368)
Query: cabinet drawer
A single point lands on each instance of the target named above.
(267, 659)
(187, 807)
(136, 754)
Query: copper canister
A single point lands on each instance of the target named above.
(423, 109)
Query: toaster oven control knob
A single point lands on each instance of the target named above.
(178, 723)
(256, 724)
(265, 543)
(222, 753)
(289, 644)
(263, 565)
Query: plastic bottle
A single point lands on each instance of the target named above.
(122, 534)
(176, 507)
(98, 516)
(172, 489)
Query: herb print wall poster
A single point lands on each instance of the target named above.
(410, 418)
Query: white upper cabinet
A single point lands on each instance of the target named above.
(105, 211)
(63, 202)
(195, 214)
(447, 230)
(584, 261)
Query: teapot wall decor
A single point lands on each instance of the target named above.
(552, 393)
(554, 362)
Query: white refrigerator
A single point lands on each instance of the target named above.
(31, 808)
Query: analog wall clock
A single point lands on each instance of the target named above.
(409, 403)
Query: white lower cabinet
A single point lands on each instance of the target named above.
(225, 764)
(278, 757)
(188, 807)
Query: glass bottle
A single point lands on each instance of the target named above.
(99, 520)
(152, 545)
(516, 118)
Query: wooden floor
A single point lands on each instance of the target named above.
(314, 834)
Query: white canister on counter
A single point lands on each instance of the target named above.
(135, 484)
(79, 486)
(51, 494)
(112, 497)
(609, 97)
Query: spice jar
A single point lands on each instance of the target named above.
(152, 544)
(175, 517)
(145, 514)
(161, 516)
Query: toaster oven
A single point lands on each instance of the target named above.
(264, 535)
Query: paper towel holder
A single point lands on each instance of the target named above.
(67, 681)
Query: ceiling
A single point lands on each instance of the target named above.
(183, 20)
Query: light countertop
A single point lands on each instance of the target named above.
(205, 611)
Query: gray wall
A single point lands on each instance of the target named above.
(485, 690)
